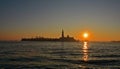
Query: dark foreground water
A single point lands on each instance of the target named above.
(59, 55)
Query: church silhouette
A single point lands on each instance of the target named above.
(62, 38)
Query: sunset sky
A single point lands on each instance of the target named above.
(30, 18)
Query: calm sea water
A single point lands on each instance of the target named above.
(60, 55)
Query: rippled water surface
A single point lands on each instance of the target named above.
(60, 55)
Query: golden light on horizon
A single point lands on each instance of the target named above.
(85, 35)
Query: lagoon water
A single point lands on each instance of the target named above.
(60, 55)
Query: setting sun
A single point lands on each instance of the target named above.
(85, 35)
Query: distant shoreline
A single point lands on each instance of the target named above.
(50, 39)
(61, 39)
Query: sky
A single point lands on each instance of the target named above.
(46, 18)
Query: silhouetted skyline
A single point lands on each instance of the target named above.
(62, 38)
(28, 18)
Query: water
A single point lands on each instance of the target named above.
(60, 55)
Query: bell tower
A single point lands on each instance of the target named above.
(62, 33)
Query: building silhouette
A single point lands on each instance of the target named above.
(62, 38)
(62, 33)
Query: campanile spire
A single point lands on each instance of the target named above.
(62, 33)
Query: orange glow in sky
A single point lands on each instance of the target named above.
(46, 18)
(85, 35)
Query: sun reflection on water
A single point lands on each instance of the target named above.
(85, 51)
